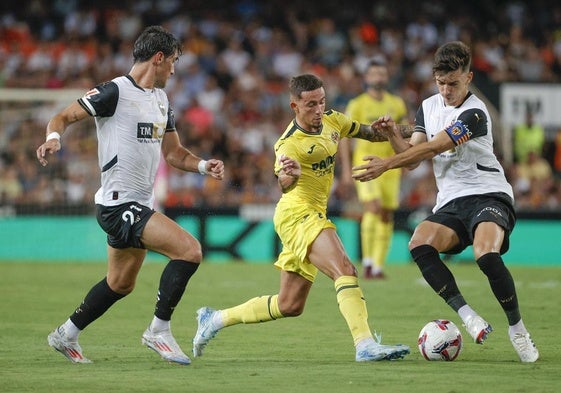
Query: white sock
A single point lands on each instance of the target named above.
(366, 262)
(466, 312)
(362, 344)
(517, 328)
(217, 320)
(159, 325)
(70, 330)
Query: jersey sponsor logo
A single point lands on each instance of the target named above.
(324, 167)
(494, 211)
(311, 149)
(144, 130)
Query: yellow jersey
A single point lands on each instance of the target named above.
(365, 109)
(316, 154)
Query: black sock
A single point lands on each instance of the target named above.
(97, 301)
(437, 275)
(502, 284)
(173, 282)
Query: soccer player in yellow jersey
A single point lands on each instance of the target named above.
(305, 159)
(379, 197)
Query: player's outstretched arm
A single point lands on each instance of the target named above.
(383, 129)
(55, 128)
(375, 166)
(182, 158)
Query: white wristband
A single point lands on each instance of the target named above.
(53, 135)
(202, 167)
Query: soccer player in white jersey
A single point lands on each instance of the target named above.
(135, 126)
(474, 204)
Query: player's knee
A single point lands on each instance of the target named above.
(121, 286)
(414, 243)
(191, 251)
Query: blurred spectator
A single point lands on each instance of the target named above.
(11, 190)
(533, 184)
(528, 137)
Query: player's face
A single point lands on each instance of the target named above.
(309, 109)
(165, 70)
(376, 77)
(453, 86)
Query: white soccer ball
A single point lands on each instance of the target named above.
(440, 339)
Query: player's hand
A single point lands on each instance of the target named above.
(215, 168)
(385, 125)
(373, 168)
(290, 167)
(51, 146)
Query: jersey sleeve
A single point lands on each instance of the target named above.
(101, 100)
(284, 147)
(420, 120)
(471, 123)
(346, 125)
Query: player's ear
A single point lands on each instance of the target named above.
(158, 58)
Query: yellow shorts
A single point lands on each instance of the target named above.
(385, 188)
(298, 227)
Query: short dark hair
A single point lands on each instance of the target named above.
(301, 83)
(153, 40)
(451, 57)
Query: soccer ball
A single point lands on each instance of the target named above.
(440, 339)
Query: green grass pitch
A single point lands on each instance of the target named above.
(311, 353)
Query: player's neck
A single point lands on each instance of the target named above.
(142, 75)
(376, 94)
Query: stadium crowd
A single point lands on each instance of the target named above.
(229, 90)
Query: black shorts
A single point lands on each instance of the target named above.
(463, 214)
(123, 223)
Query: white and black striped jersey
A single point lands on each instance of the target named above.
(131, 122)
(471, 167)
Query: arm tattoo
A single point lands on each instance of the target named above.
(366, 132)
(406, 130)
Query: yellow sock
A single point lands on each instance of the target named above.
(258, 309)
(353, 307)
(367, 234)
(382, 241)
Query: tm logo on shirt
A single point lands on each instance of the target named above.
(144, 130)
